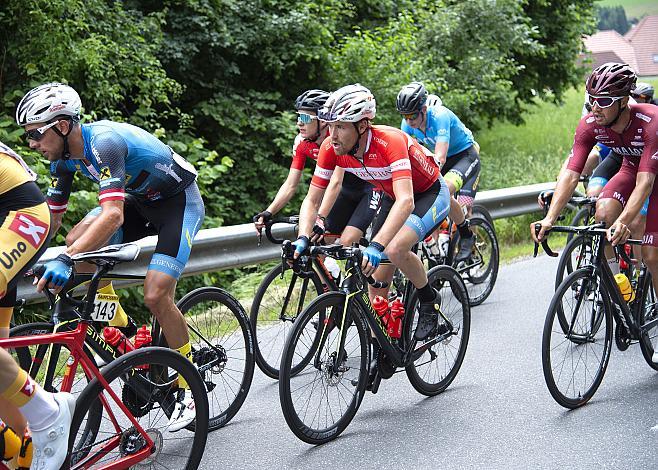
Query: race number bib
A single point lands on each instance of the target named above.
(105, 307)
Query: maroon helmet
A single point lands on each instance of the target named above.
(611, 79)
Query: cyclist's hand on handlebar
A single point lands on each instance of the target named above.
(545, 225)
(540, 200)
(618, 233)
(372, 256)
(300, 245)
(261, 219)
(57, 272)
(318, 229)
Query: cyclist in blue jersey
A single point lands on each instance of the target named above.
(454, 148)
(125, 161)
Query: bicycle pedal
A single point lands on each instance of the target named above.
(374, 385)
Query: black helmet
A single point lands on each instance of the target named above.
(643, 90)
(411, 98)
(311, 100)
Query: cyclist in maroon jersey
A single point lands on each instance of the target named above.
(630, 130)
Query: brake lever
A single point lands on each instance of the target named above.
(544, 244)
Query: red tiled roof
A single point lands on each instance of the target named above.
(644, 39)
(637, 48)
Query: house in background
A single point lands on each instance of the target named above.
(638, 47)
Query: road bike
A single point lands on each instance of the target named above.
(578, 330)
(107, 432)
(326, 364)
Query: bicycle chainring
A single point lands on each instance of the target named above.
(622, 338)
(385, 367)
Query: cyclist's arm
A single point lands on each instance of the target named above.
(332, 192)
(58, 193)
(309, 210)
(286, 191)
(101, 229)
(564, 189)
(441, 152)
(400, 211)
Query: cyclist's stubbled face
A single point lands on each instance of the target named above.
(50, 145)
(343, 136)
(605, 116)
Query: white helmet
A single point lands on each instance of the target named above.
(45, 102)
(350, 103)
(433, 100)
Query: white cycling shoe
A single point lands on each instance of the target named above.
(51, 444)
(184, 413)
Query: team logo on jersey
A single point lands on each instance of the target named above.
(105, 173)
(30, 228)
(53, 183)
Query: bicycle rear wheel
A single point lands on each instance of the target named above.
(575, 356)
(222, 349)
(155, 391)
(480, 270)
(280, 298)
(438, 359)
(319, 401)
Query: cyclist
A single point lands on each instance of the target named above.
(402, 169)
(24, 236)
(455, 150)
(630, 130)
(345, 190)
(122, 159)
(643, 93)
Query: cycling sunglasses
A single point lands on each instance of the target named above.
(639, 97)
(411, 116)
(304, 118)
(38, 133)
(603, 101)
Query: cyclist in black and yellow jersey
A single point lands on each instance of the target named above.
(24, 236)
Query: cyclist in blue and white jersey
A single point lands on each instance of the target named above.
(125, 161)
(455, 150)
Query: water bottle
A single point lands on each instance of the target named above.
(143, 337)
(380, 304)
(115, 338)
(395, 320)
(625, 287)
(444, 237)
(431, 245)
(332, 267)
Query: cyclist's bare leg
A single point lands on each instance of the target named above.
(10, 413)
(384, 273)
(350, 235)
(400, 254)
(159, 289)
(456, 213)
(607, 210)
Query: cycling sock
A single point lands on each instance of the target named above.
(613, 263)
(5, 320)
(186, 351)
(38, 406)
(10, 443)
(464, 229)
(120, 319)
(426, 294)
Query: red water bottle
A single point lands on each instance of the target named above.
(115, 338)
(380, 304)
(623, 264)
(395, 319)
(143, 337)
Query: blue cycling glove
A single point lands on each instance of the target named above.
(374, 253)
(59, 270)
(301, 244)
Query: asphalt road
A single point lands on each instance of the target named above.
(497, 413)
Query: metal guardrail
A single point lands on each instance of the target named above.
(235, 246)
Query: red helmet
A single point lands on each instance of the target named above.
(611, 79)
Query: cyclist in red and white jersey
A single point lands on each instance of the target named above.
(400, 167)
(630, 130)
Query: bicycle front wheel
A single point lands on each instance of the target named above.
(438, 359)
(150, 376)
(577, 253)
(222, 349)
(319, 401)
(575, 354)
(281, 296)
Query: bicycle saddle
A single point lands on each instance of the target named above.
(115, 253)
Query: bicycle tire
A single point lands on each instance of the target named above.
(480, 283)
(481, 211)
(216, 305)
(578, 335)
(454, 303)
(566, 264)
(123, 369)
(268, 344)
(331, 305)
(580, 218)
(648, 312)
